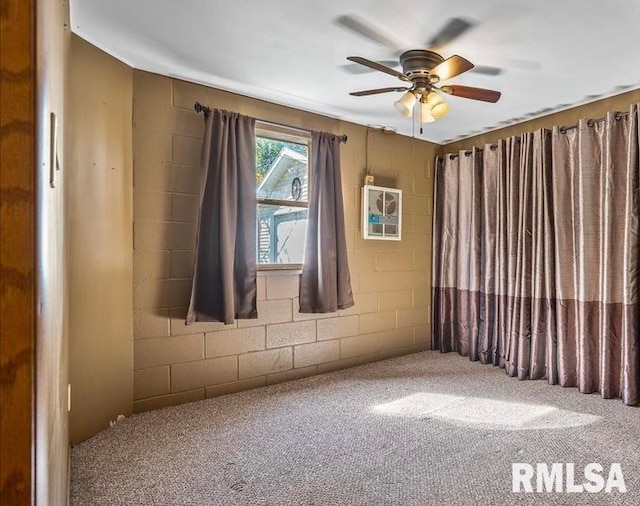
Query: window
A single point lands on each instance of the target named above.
(282, 174)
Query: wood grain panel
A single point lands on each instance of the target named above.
(17, 131)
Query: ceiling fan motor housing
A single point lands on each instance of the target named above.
(417, 63)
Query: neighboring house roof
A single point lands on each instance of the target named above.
(281, 167)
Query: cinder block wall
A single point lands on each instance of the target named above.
(174, 363)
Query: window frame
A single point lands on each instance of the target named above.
(284, 134)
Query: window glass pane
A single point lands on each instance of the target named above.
(281, 170)
(281, 232)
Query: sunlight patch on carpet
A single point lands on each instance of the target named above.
(484, 413)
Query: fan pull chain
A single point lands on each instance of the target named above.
(413, 127)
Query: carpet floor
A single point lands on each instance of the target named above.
(422, 429)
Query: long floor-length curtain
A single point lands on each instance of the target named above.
(536, 255)
(325, 284)
(224, 279)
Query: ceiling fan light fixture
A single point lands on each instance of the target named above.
(440, 110)
(433, 98)
(425, 113)
(405, 104)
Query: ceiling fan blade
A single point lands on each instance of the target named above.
(487, 70)
(375, 92)
(454, 28)
(354, 68)
(377, 66)
(473, 93)
(451, 67)
(365, 29)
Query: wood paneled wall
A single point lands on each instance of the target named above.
(17, 196)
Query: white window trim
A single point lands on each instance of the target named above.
(287, 134)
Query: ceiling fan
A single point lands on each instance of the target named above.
(422, 70)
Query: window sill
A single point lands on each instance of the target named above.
(275, 269)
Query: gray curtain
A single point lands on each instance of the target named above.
(536, 266)
(224, 279)
(325, 284)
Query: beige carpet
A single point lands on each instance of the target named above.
(416, 430)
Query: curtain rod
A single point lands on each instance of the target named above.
(563, 129)
(205, 109)
(591, 122)
(493, 147)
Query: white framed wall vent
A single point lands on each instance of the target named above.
(381, 213)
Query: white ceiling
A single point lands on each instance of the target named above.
(555, 54)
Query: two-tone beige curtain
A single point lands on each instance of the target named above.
(536, 255)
